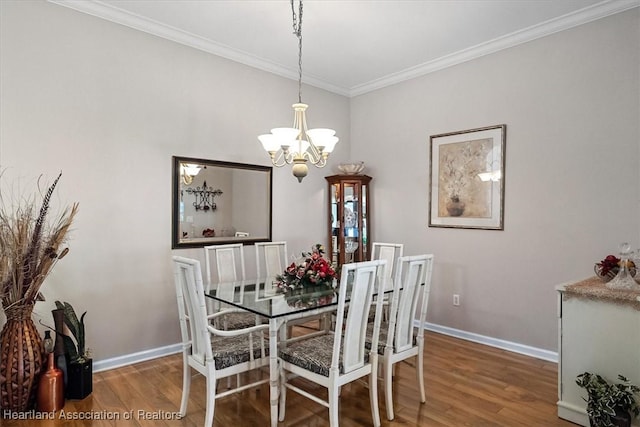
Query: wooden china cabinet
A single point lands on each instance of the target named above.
(349, 219)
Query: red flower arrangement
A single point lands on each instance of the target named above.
(313, 270)
(608, 264)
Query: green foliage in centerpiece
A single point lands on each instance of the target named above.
(312, 270)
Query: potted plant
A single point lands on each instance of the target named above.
(80, 364)
(609, 404)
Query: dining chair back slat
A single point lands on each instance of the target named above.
(225, 268)
(353, 347)
(389, 251)
(192, 310)
(229, 262)
(270, 258)
(412, 274)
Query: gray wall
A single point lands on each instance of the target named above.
(571, 105)
(109, 106)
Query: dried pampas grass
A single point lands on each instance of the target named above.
(30, 246)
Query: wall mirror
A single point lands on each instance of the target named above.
(218, 202)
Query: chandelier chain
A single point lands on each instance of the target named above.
(297, 30)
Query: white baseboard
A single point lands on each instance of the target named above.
(142, 356)
(538, 353)
(573, 413)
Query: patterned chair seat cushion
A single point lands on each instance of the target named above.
(232, 321)
(313, 354)
(382, 338)
(229, 351)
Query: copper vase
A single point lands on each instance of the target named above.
(51, 387)
(21, 359)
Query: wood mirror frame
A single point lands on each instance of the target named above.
(223, 202)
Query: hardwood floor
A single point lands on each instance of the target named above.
(467, 384)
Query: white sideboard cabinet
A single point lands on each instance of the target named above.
(599, 332)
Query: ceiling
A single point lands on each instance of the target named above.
(351, 47)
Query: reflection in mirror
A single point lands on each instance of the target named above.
(218, 202)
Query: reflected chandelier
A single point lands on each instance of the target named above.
(188, 172)
(299, 145)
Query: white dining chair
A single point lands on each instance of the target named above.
(334, 359)
(389, 251)
(213, 353)
(224, 266)
(399, 338)
(271, 258)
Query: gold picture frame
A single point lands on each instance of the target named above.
(467, 173)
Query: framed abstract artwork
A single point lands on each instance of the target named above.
(466, 188)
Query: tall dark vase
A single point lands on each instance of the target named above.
(59, 352)
(21, 359)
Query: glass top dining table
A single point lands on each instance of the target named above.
(261, 297)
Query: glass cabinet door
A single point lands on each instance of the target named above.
(349, 219)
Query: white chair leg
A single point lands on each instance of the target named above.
(388, 387)
(186, 385)
(420, 371)
(373, 395)
(283, 394)
(333, 405)
(211, 400)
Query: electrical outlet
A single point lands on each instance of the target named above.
(456, 299)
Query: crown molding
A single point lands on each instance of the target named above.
(120, 16)
(150, 26)
(565, 22)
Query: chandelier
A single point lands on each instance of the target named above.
(299, 145)
(188, 172)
